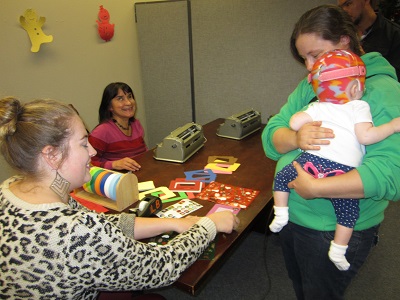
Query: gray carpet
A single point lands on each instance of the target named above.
(245, 275)
(380, 276)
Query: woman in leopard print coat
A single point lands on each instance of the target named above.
(53, 248)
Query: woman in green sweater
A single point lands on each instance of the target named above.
(306, 239)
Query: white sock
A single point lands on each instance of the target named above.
(281, 218)
(336, 255)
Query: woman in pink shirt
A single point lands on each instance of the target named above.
(119, 136)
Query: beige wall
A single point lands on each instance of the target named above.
(78, 64)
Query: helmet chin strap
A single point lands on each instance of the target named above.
(340, 73)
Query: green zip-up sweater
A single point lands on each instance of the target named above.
(381, 165)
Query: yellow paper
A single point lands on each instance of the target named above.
(222, 167)
(33, 25)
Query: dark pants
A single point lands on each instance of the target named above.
(313, 275)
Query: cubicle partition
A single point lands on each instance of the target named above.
(208, 59)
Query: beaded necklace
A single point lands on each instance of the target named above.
(120, 126)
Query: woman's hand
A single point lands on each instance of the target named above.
(311, 135)
(304, 184)
(126, 164)
(348, 185)
(225, 221)
(308, 137)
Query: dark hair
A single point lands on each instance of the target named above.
(25, 129)
(110, 92)
(330, 22)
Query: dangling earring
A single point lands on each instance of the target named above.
(60, 186)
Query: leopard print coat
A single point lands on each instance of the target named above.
(64, 251)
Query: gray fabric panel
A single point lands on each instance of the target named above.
(164, 54)
(241, 55)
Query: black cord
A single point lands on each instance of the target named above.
(265, 248)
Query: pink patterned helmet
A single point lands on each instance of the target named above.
(332, 73)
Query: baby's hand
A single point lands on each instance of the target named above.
(396, 124)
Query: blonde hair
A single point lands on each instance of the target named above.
(25, 129)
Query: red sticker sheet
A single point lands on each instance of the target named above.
(228, 194)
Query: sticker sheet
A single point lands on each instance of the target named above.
(228, 194)
(179, 209)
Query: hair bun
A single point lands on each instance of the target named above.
(10, 109)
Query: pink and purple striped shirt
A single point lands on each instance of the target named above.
(112, 144)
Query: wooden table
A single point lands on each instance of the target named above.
(256, 172)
